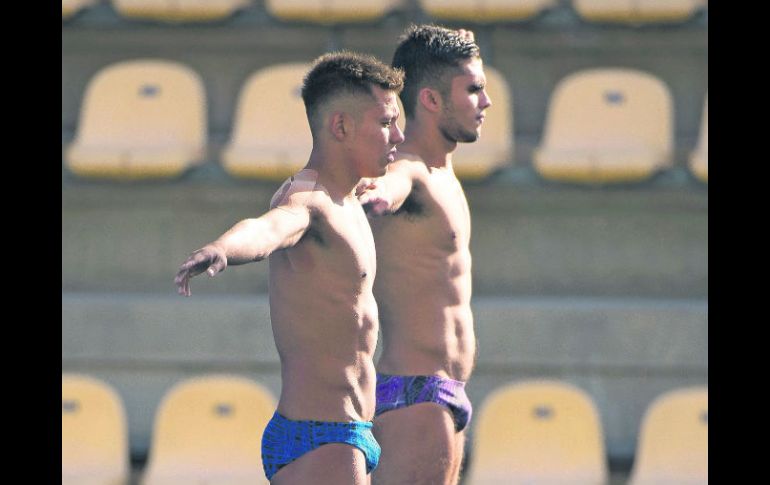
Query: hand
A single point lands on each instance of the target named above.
(374, 201)
(210, 259)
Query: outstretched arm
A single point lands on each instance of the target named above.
(384, 195)
(247, 241)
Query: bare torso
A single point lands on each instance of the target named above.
(324, 315)
(423, 285)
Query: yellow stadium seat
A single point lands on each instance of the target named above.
(699, 158)
(606, 125)
(179, 10)
(94, 433)
(208, 429)
(673, 440)
(494, 148)
(485, 11)
(637, 11)
(271, 138)
(538, 432)
(331, 11)
(70, 7)
(140, 119)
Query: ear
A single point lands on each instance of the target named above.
(430, 99)
(339, 125)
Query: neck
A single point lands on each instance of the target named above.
(333, 172)
(426, 141)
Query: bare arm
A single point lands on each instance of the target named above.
(386, 194)
(247, 241)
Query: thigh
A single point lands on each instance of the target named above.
(418, 445)
(459, 455)
(330, 464)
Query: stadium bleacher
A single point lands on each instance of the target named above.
(599, 283)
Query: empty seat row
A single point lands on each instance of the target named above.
(549, 432)
(147, 119)
(206, 427)
(334, 11)
(209, 428)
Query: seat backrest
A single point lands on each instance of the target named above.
(94, 430)
(538, 431)
(703, 136)
(330, 11)
(70, 7)
(178, 10)
(667, 10)
(210, 425)
(610, 109)
(673, 440)
(270, 110)
(485, 10)
(143, 103)
(637, 11)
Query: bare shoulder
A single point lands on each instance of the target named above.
(409, 165)
(300, 192)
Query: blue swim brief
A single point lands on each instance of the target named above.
(285, 440)
(394, 392)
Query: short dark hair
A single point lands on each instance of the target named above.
(346, 73)
(426, 53)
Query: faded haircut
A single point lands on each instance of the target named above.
(426, 53)
(346, 73)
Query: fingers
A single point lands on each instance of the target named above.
(365, 198)
(191, 267)
(216, 267)
(204, 259)
(182, 282)
(364, 186)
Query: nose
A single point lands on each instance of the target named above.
(396, 135)
(486, 101)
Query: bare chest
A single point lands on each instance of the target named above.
(435, 215)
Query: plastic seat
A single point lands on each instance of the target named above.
(140, 119)
(606, 126)
(485, 11)
(94, 432)
(179, 10)
(538, 432)
(494, 148)
(330, 11)
(208, 429)
(637, 11)
(70, 7)
(699, 158)
(673, 440)
(271, 138)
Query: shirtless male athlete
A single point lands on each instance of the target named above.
(322, 267)
(421, 225)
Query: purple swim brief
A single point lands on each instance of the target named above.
(394, 392)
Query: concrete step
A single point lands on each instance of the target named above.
(526, 240)
(622, 351)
